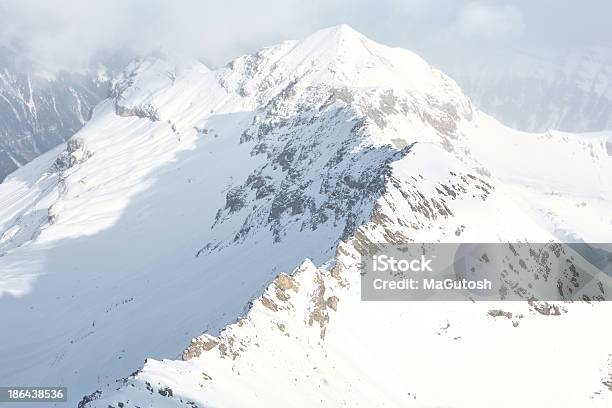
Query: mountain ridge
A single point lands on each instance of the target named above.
(39, 110)
(233, 179)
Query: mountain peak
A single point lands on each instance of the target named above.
(336, 41)
(340, 32)
(316, 149)
(339, 56)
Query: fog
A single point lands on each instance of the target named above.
(72, 33)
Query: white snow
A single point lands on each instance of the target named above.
(104, 261)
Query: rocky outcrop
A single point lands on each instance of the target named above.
(39, 111)
(74, 154)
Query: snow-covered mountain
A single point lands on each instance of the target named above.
(191, 195)
(540, 90)
(40, 110)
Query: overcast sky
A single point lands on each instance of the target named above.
(68, 33)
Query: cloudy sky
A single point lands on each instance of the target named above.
(68, 33)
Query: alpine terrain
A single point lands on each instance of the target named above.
(540, 90)
(197, 243)
(39, 110)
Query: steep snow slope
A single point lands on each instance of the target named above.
(39, 110)
(310, 341)
(569, 90)
(190, 190)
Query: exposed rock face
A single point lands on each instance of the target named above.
(74, 154)
(40, 111)
(324, 138)
(198, 345)
(322, 149)
(146, 111)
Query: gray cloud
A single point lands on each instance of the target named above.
(490, 21)
(70, 33)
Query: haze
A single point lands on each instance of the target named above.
(66, 34)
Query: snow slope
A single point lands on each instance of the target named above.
(390, 354)
(190, 190)
(39, 110)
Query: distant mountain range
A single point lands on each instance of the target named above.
(532, 91)
(198, 241)
(541, 90)
(39, 110)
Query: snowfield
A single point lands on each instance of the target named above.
(230, 207)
